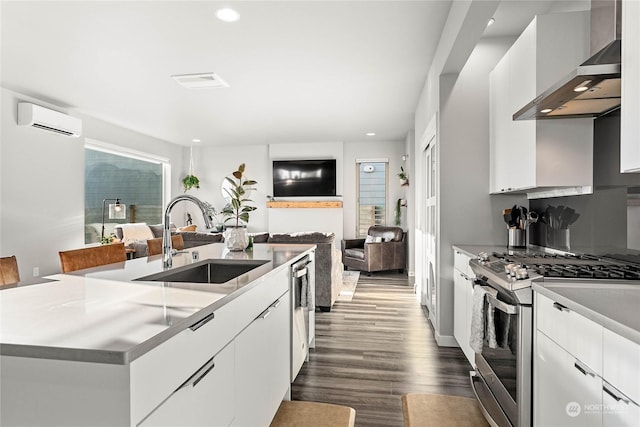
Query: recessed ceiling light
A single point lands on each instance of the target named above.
(546, 110)
(371, 134)
(195, 140)
(227, 15)
(490, 22)
(200, 80)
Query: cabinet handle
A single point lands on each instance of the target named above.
(615, 393)
(560, 307)
(583, 369)
(200, 323)
(265, 313)
(199, 375)
(276, 304)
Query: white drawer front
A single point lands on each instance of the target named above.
(176, 359)
(581, 337)
(621, 364)
(206, 399)
(461, 262)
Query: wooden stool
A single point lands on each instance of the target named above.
(423, 410)
(293, 413)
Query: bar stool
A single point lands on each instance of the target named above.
(9, 274)
(79, 259)
(154, 246)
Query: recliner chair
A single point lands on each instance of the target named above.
(383, 249)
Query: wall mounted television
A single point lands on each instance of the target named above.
(297, 178)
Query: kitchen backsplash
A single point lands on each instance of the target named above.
(608, 218)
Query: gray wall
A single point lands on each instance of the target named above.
(602, 225)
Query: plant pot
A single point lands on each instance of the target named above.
(236, 238)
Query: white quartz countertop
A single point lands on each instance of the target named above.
(614, 305)
(104, 315)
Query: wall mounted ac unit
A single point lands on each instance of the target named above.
(49, 120)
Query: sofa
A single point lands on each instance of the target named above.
(384, 248)
(135, 236)
(328, 268)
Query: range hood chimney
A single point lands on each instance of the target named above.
(593, 88)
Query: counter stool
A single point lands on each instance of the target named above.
(9, 274)
(424, 410)
(78, 259)
(297, 413)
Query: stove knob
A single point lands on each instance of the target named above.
(509, 269)
(483, 256)
(522, 273)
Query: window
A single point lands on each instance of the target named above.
(372, 195)
(134, 178)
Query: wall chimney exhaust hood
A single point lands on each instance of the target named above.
(593, 88)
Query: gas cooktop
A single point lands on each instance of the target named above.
(570, 265)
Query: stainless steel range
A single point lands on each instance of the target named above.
(502, 380)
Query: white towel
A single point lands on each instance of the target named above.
(477, 335)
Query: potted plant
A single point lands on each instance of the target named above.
(237, 210)
(190, 181)
(404, 179)
(213, 216)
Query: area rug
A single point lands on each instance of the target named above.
(349, 283)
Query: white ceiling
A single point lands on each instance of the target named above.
(300, 71)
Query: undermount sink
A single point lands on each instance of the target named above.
(207, 271)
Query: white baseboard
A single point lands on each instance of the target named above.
(446, 340)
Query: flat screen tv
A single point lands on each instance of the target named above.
(293, 178)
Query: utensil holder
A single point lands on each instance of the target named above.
(517, 238)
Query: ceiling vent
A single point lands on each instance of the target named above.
(200, 81)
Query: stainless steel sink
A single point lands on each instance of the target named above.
(207, 271)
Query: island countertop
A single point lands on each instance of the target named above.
(105, 315)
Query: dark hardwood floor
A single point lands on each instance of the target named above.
(375, 348)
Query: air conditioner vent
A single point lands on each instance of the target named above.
(38, 117)
(200, 80)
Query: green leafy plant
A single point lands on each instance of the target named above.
(106, 240)
(190, 181)
(238, 209)
(398, 218)
(404, 179)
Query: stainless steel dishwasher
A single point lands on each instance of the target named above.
(302, 290)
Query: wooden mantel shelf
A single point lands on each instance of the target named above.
(308, 204)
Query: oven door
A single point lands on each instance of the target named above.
(503, 382)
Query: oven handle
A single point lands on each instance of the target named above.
(501, 305)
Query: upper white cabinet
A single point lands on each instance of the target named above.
(630, 111)
(538, 157)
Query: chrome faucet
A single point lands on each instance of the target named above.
(166, 234)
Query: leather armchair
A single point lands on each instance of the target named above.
(383, 249)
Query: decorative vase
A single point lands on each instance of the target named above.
(236, 238)
(219, 227)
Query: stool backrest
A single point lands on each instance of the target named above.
(154, 246)
(79, 259)
(9, 274)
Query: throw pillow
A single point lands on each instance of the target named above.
(188, 228)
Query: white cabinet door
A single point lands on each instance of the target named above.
(618, 409)
(630, 110)
(566, 392)
(525, 153)
(263, 365)
(462, 300)
(205, 399)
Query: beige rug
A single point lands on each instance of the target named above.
(349, 283)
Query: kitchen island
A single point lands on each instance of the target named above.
(101, 347)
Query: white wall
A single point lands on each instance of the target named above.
(467, 213)
(392, 150)
(42, 184)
